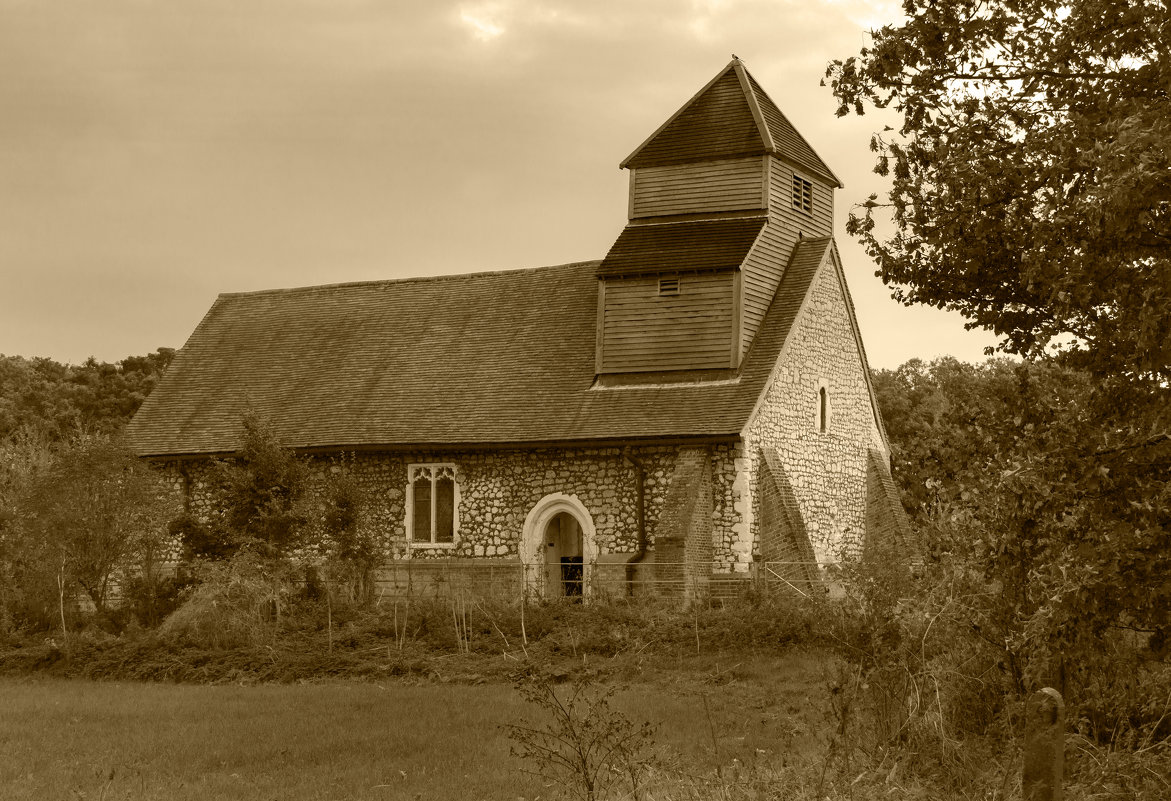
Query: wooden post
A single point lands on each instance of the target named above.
(1044, 746)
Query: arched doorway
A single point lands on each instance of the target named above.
(563, 557)
(558, 548)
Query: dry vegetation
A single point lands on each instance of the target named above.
(756, 700)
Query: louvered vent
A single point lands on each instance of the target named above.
(802, 195)
(668, 286)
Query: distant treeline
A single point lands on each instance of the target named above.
(54, 400)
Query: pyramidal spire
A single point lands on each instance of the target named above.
(730, 117)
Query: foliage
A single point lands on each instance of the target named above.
(56, 400)
(255, 500)
(352, 550)
(80, 515)
(584, 747)
(1037, 497)
(152, 596)
(63, 481)
(1030, 185)
(929, 692)
(1030, 193)
(26, 592)
(238, 557)
(940, 417)
(237, 602)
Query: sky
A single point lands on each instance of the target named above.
(154, 154)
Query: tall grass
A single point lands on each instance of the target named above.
(427, 739)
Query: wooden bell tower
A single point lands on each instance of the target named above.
(719, 196)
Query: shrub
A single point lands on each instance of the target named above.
(76, 517)
(236, 603)
(352, 551)
(255, 498)
(583, 746)
(153, 598)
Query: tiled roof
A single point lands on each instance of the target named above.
(789, 143)
(720, 244)
(489, 358)
(731, 117)
(716, 124)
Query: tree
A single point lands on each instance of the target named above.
(940, 417)
(80, 516)
(1006, 469)
(59, 400)
(23, 598)
(352, 549)
(256, 500)
(1031, 192)
(31, 398)
(1031, 177)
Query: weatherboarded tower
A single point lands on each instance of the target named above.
(720, 195)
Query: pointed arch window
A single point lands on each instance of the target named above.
(432, 504)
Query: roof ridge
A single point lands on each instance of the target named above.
(746, 82)
(417, 279)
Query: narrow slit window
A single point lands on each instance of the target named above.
(668, 286)
(822, 409)
(802, 195)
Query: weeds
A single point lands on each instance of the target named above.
(583, 746)
(237, 603)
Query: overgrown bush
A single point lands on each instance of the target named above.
(255, 500)
(237, 602)
(151, 598)
(352, 551)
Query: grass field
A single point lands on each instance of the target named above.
(72, 739)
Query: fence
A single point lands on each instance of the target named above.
(603, 580)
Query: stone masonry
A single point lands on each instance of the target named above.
(827, 470)
(498, 488)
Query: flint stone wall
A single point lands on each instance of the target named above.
(827, 470)
(497, 490)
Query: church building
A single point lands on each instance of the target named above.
(691, 412)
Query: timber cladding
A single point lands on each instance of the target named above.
(729, 185)
(819, 222)
(694, 353)
(644, 330)
(762, 275)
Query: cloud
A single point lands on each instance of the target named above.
(196, 146)
(484, 21)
